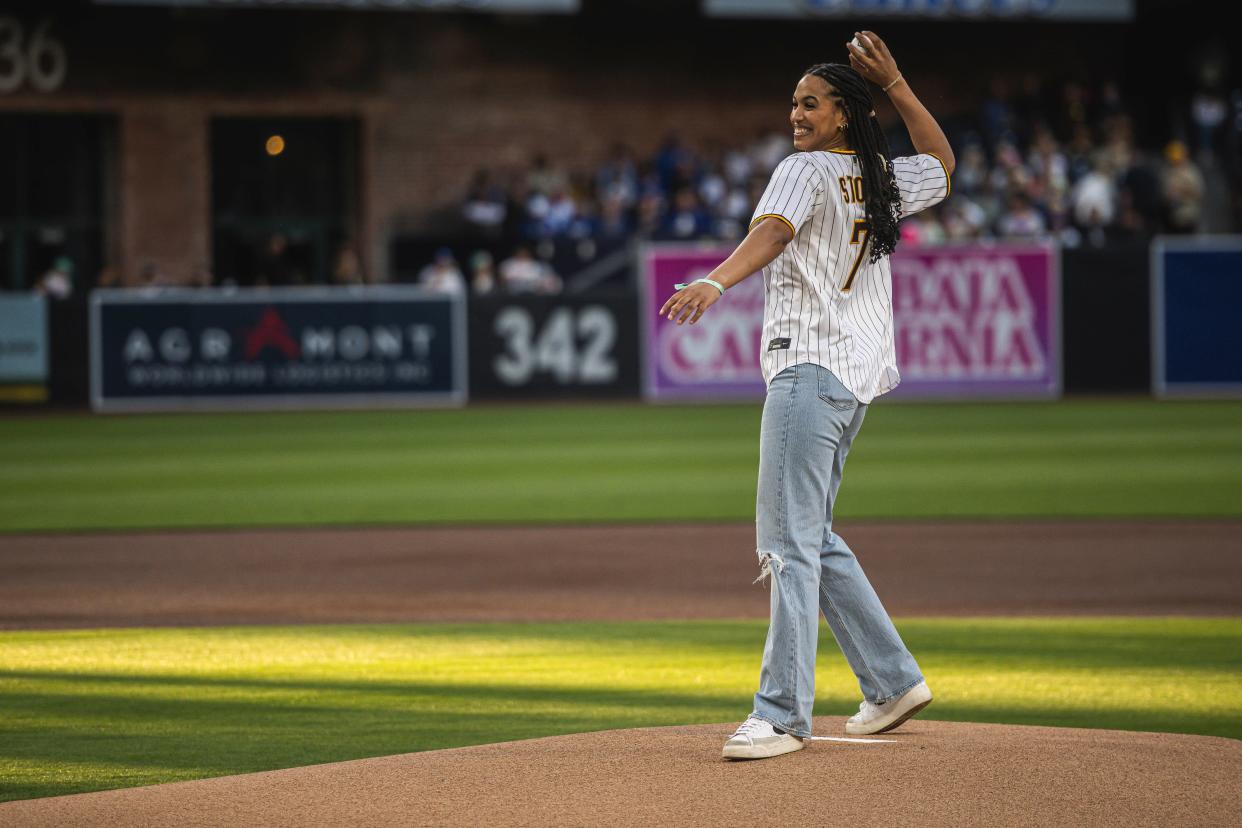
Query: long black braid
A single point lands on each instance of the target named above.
(882, 198)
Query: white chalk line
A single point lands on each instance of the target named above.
(852, 741)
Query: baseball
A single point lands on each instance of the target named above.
(859, 45)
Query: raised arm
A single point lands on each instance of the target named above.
(875, 63)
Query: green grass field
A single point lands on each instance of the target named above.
(623, 462)
(87, 710)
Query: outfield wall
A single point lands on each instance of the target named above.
(1128, 319)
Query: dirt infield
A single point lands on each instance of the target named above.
(603, 572)
(932, 773)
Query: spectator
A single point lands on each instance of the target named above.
(443, 275)
(347, 268)
(57, 281)
(687, 219)
(650, 212)
(1094, 197)
(518, 221)
(971, 174)
(150, 276)
(738, 167)
(482, 273)
(485, 208)
(275, 265)
(1183, 189)
(1047, 165)
(998, 116)
(613, 223)
(1208, 110)
(558, 214)
(617, 178)
(675, 164)
(543, 178)
(1078, 156)
(1021, 222)
(523, 273)
(964, 220)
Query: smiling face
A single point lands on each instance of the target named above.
(816, 116)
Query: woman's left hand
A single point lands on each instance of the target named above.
(874, 62)
(689, 303)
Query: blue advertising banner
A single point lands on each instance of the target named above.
(276, 348)
(1196, 318)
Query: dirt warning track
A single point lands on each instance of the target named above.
(933, 773)
(603, 572)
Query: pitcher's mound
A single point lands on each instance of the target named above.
(932, 773)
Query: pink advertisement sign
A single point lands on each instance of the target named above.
(970, 322)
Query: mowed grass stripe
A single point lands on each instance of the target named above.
(576, 463)
(94, 709)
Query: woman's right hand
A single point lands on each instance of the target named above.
(688, 304)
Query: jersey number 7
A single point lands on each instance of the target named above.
(861, 231)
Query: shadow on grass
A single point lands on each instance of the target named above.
(205, 726)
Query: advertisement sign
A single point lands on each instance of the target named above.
(1116, 10)
(496, 6)
(23, 339)
(977, 321)
(717, 358)
(969, 321)
(269, 348)
(552, 346)
(1196, 323)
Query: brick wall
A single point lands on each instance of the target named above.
(435, 97)
(164, 182)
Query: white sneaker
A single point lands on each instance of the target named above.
(757, 739)
(881, 718)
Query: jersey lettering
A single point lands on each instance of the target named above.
(851, 188)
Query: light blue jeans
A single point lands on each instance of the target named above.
(809, 422)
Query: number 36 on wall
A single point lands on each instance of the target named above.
(39, 58)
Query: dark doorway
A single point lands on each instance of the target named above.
(51, 197)
(284, 198)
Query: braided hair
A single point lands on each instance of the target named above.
(882, 198)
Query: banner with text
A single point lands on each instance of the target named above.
(277, 348)
(716, 358)
(554, 346)
(969, 322)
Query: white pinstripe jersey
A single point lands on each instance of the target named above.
(824, 301)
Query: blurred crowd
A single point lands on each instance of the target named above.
(1033, 163)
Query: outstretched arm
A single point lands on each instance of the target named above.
(757, 250)
(875, 63)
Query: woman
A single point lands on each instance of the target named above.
(823, 232)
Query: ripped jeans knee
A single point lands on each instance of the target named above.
(766, 559)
